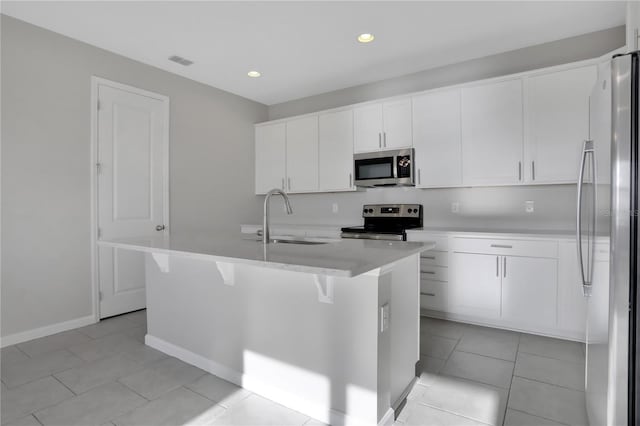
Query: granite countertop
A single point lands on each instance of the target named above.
(344, 258)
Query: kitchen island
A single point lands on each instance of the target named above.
(329, 328)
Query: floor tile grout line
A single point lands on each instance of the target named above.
(60, 381)
(134, 391)
(452, 412)
(547, 383)
(553, 358)
(17, 346)
(486, 356)
(513, 373)
(540, 417)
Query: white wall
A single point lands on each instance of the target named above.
(488, 208)
(46, 166)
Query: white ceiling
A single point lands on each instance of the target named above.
(304, 48)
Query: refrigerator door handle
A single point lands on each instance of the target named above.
(585, 277)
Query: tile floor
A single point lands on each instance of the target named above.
(103, 374)
(477, 376)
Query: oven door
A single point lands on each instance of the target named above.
(384, 168)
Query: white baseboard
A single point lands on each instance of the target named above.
(48, 330)
(321, 413)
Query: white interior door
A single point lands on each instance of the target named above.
(132, 189)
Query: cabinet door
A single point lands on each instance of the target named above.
(557, 115)
(336, 151)
(529, 288)
(600, 122)
(436, 139)
(270, 157)
(397, 124)
(474, 280)
(492, 133)
(302, 154)
(367, 123)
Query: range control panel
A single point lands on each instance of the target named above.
(392, 210)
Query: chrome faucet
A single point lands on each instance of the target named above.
(265, 220)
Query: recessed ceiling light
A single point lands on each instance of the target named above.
(365, 38)
(254, 74)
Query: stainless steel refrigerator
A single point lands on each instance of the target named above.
(607, 234)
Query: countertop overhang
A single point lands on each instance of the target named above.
(342, 258)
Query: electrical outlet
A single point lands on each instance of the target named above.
(334, 207)
(528, 206)
(455, 207)
(384, 317)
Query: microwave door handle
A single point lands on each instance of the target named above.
(395, 166)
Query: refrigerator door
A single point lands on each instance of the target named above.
(593, 219)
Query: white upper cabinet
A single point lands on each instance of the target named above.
(385, 125)
(557, 123)
(436, 139)
(336, 151)
(396, 132)
(270, 157)
(492, 130)
(302, 154)
(367, 124)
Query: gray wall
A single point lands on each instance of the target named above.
(544, 55)
(496, 208)
(46, 166)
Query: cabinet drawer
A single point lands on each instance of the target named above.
(433, 295)
(434, 258)
(433, 273)
(506, 247)
(442, 241)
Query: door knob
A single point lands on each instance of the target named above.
(160, 228)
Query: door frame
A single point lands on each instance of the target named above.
(93, 161)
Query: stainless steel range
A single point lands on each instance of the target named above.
(386, 222)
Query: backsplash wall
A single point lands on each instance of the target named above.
(489, 208)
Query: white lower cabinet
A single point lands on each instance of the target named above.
(529, 287)
(475, 285)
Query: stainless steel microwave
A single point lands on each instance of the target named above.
(385, 168)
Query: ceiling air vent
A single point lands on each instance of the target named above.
(180, 60)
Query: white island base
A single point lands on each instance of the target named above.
(314, 343)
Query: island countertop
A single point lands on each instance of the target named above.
(338, 257)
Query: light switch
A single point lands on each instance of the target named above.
(455, 207)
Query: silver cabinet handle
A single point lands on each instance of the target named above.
(497, 266)
(519, 170)
(427, 294)
(283, 184)
(501, 246)
(384, 138)
(160, 228)
(533, 170)
(289, 182)
(428, 272)
(350, 180)
(428, 257)
(504, 266)
(419, 177)
(379, 140)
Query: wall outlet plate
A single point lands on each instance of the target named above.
(455, 207)
(384, 317)
(529, 206)
(334, 207)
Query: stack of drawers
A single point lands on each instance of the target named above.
(434, 275)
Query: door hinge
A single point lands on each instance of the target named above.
(99, 233)
(100, 295)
